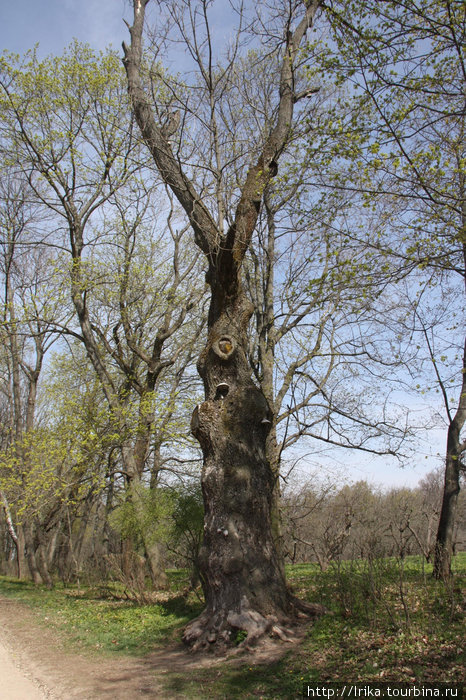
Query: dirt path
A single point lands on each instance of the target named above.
(37, 666)
(14, 685)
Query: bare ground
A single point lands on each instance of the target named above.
(39, 655)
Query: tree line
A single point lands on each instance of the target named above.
(287, 215)
(329, 523)
(321, 521)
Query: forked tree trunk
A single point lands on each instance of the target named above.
(240, 567)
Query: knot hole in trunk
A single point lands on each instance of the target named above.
(224, 347)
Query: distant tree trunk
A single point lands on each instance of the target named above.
(22, 565)
(133, 453)
(453, 466)
(41, 556)
(52, 546)
(15, 534)
(445, 541)
(42, 564)
(273, 450)
(31, 555)
(152, 548)
(77, 543)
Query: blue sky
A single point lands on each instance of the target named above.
(54, 23)
(351, 465)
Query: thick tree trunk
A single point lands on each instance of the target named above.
(240, 568)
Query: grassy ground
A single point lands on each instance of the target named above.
(101, 618)
(391, 622)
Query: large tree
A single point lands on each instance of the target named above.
(240, 567)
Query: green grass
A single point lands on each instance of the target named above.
(91, 618)
(390, 621)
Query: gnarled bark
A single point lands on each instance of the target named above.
(239, 565)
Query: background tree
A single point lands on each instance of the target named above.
(68, 127)
(406, 63)
(330, 522)
(30, 310)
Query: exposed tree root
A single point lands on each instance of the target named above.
(243, 629)
(312, 610)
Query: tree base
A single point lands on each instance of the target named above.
(226, 629)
